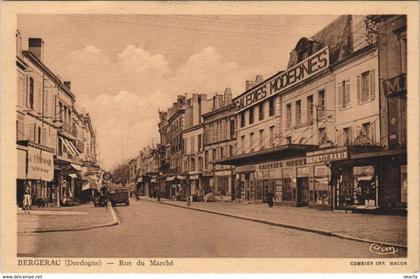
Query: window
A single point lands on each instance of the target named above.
(251, 115)
(321, 104)
(214, 154)
(242, 115)
(288, 115)
(199, 143)
(344, 94)
(322, 135)
(366, 130)
(271, 106)
(31, 93)
(232, 129)
(243, 143)
(309, 108)
(261, 111)
(261, 139)
(206, 159)
(272, 135)
(365, 87)
(289, 140)
(39, 135)
(298, 112)
(230, 150)
(346, 136)
(251, 142)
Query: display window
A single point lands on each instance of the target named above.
(322, 175)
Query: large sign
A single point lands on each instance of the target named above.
(282, 164)
(285, 79)
(331, 154)
(395, 86)
(40, 164)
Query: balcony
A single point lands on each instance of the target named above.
(70, 130)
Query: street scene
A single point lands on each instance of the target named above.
(211, 136)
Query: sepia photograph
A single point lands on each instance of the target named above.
(152, 137)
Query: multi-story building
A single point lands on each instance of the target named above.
(192, 135)
(219, 143)
(49, 156)
(325, 114)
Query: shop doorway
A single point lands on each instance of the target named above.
(302, 195)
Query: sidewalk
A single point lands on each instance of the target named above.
(362, 227)
(80, 217)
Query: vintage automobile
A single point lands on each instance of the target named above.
(119, 194)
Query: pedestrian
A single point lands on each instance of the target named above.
(27, 202)
(270, 198)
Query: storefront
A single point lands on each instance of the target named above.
(371, 179)
(223, 181)
(37, 162)
(194, 182)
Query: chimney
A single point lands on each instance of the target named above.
(36, 47)
(249, 84)
(259, 79)
(67, 84)
(228, 96)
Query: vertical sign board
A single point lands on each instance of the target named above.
(40, 164)
(394, 88)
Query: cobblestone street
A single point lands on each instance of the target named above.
(150, 229)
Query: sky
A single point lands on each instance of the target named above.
(125, 68)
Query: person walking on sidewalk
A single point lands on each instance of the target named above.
(270, 198)
(27, 202)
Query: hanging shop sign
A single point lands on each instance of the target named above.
(282, 164)
(328, 155)
(285, 79)
(40, 164)
(249, 168)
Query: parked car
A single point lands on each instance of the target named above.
(119, 195)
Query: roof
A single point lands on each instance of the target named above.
(275, 153)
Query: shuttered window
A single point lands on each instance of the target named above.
(366, 87)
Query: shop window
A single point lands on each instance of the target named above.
(261, 111)
(271, 107)
(321, 185)
(288, 191)
(288, 115)
(365, 186)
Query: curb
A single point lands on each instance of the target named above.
(116, 221)
(289, 226)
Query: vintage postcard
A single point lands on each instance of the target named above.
(209, 137)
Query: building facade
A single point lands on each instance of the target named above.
(49, 131)
(219, 143)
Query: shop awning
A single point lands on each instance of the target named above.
(68, 146)
(180, 177)
(153, 180)
(170, 178)
(73, 148)
(274, 153)
(89, 185)
(194, 177)
(140, 179)
(73, 175)
(76, 167)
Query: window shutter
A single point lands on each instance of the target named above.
(359, 93)
(46, 102)
(31, 132)
(372, 84)
(340, 95)
(27, 91)
(44, 136)
(347, 92)
(39, 98)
